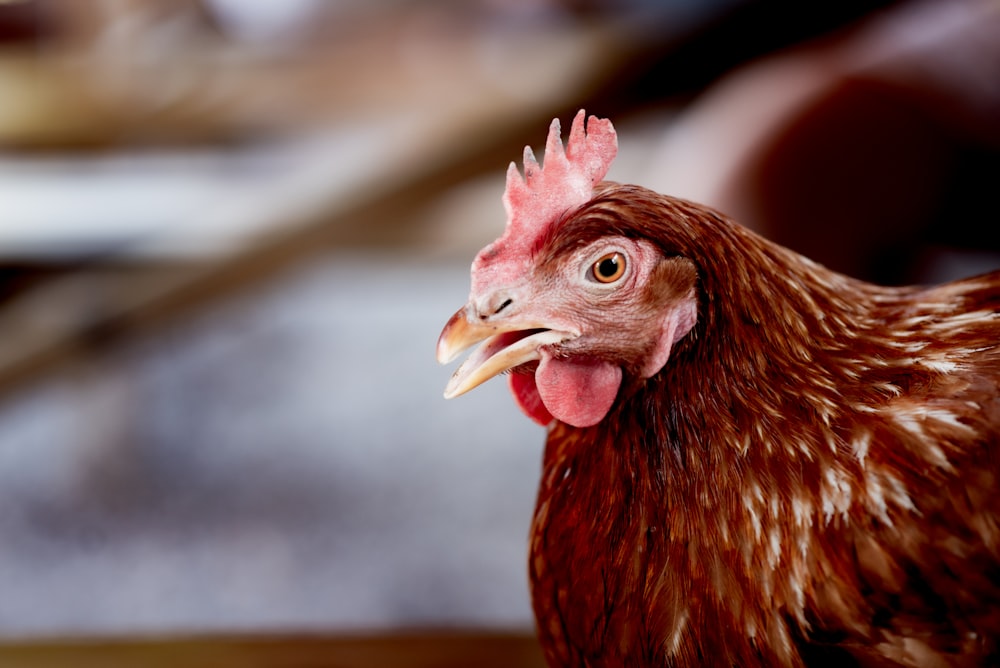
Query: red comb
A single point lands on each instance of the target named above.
(564, 181)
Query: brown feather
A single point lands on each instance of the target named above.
(813, 476)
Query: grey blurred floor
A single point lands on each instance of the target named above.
(284, 460)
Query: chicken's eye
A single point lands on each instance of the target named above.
(608, 268)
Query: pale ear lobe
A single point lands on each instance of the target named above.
(678, 320)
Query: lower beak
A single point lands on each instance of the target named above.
(504, 346)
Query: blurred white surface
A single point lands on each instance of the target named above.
(198, 203)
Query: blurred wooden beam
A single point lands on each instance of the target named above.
(433, 650)
(134, 89)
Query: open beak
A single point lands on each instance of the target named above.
(504, 345)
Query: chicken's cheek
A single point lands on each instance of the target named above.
(577, 392)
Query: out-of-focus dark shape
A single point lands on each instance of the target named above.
(686, 49)
(22, 23)
(866, 150)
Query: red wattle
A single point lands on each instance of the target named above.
(577, 392)
(522, 386)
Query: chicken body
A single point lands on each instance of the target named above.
(794, 467)
(813, 475)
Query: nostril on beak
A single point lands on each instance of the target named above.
(491, 306)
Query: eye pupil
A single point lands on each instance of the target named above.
(609, 268)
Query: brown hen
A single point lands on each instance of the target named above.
(751, 460)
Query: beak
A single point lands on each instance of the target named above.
(505, 345)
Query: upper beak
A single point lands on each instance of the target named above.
(505, 345)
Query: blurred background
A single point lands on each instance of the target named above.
(230, 233)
